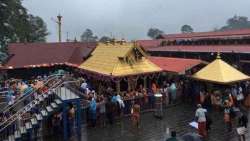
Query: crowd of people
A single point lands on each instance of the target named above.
(13, 89)
(17, 96)
(109, 106)
(233, 101)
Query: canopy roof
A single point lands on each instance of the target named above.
(175, 65)
(119, 60)
(220, 72)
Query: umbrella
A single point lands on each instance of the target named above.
(191, 137)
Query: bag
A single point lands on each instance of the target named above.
(241, 130)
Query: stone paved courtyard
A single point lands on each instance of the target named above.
(153, 129)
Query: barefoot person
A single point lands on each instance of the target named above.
(200, 115)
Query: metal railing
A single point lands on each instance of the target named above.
(26, 108)
(27, 94)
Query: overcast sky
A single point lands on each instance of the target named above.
(132, 18)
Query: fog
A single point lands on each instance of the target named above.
(131, 19)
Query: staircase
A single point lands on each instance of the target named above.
(27, 113)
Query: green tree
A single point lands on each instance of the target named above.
(16, 25)
(88, 36)
(37, 28)
(153, 33)
(105, 39)
(236, 22)
(187, 29)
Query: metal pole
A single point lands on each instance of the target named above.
(78, 116)
(59, 17)
(65, 92)
(145, 82)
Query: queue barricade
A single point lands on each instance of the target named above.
(84, 111)
(146, 103)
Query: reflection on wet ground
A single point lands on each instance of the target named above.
(153, 129)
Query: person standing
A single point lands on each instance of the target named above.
(84, 86)
(242, 126)
(202, 97)
(207, 102)
(173, 91)
(228, 116)
(166, 94)
(110, 110)
(102, 111)
(135, 112)
(71, 119)
(120, 106)
(247, 99)
(93, 112)
(240, 96)
(56, 123)
(200, 115)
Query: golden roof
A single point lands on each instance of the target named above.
(220, 72)
(119, 60)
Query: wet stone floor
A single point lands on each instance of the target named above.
(153, 129)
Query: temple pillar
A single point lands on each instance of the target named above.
(129, 84)
(118, 86)
(145, 82)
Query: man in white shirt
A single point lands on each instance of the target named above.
(200, 115)
(84, 86)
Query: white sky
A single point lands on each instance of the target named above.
(131, 19)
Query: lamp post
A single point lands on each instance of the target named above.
(59, 22)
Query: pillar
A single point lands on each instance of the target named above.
(118, 86)
(65, 124)
(129, 84)
(145, 81)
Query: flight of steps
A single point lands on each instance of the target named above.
(48, 107)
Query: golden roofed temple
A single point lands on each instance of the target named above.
(118, 60)
(220, 72)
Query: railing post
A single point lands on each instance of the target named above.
(78, 120)
(65, 122)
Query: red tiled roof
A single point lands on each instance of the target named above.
(149, 43)
(176, 65)
(44, 54)
(203, 48)
(208, 35)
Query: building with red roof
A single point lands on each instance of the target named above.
(230, 37)
(203, 48)
(233, 44)
(175, 65)
(149, 43)
(26, 55)
(237, 33)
